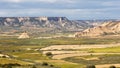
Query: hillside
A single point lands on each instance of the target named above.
(38, 24)
(45, 24)
(107, 28)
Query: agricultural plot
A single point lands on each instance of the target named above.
(100, 55)
(66, 52)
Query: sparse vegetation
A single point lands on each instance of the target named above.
(103, 59)
(25, 53)
(44, 64)
(90, 66)
(112, 66)
(34, 66)
(57, 41)
(49, 54)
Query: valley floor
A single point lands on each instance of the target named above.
(65, 52)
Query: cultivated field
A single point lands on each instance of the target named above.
(66, 52)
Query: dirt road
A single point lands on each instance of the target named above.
(61, 56)
(63, 47)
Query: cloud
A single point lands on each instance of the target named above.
(12, 1)
(44, 1)
(73, 9)
(111, 3)
(70, 13)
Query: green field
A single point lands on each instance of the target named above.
(26, 52)
(101, 59)
(57, 41)
(106, 50)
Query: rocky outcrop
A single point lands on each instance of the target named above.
(107, 28)
(41, 24)
(38, 24)
(23, 36)
(45, 24)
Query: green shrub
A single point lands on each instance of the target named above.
(49, 54)
(112, 66)
(34, 66)
(51, 65)
(44, 64)
(10, 65)
(90, 66)
(7, 66)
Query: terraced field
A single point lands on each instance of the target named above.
(95, 54)
(66, 52)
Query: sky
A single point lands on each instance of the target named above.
(72, 9)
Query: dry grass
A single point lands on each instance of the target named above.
(107, 65)
(63, 47)
(7, 61)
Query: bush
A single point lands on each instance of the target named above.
(112, 66)
(49, 54)
(90, 66)
(4, 57)
(34, 66)
(44, 64)
(10, 65)
(51, 65)
(7, 66)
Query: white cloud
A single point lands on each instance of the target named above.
(13, 1)
(70, 13)
(18, 1)
(45, 1)
(111, 3)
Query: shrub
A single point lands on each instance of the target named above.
(7, 66)
(90, 66)
(44, 64)
(51, 65)
(10, 65)
(49, 54)
(4, 57)
(34, 66)
(112, 66)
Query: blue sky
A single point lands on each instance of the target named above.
(72, 9)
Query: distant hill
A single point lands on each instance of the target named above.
(38, 24)
(107, 28)
(45, 24)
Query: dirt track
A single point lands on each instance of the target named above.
(107, 65)
(63, 47)
(78, 54)
(64, 54)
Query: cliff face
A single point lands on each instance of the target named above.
(45, 24)
(107, 28)
(37, 23)
(41, 24)
(31, 21)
